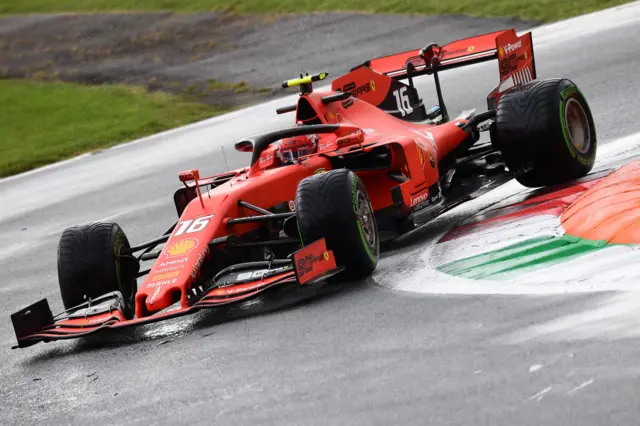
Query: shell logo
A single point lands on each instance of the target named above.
(182, 247)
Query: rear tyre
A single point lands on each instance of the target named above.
(335, 206)
(90, 265)
(546, 132)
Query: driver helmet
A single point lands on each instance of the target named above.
(290, 149)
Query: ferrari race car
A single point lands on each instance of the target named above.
(361, 163)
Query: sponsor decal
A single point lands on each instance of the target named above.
(170, 268)
(509, 64)
(423, 200)
(304, 265)
(357, 91)
(232, 290)
(313, 261)
(509, 48)
(173, 263)
(416, 201)
(154, 295)
(165, 276)
(349, 87)
(454, 52)
(351, 138)
(318, 171)
(252, 275)
(292, 204)
(346, 104)
(471, 48)
(182, 247)
(198, 264)
(161, 283)
(265, 159)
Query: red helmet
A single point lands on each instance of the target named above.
(289, 150)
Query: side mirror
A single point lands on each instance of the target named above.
(188, 175)
(244, 146)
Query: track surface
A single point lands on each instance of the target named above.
(361, 354)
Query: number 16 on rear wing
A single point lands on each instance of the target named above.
(516, 63)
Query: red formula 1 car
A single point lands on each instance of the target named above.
(317, 199)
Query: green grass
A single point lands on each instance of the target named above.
(43, 122)
(543, 10)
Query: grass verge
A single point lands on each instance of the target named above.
(541, 10)
(44, 122)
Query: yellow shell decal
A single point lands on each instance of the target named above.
(182, 247)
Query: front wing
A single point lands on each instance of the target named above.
(35, 323)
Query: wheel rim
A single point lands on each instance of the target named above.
(577, 125)
(366, 219)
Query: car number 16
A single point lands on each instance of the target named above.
(402, 100)
(193, 225)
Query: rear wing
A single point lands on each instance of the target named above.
(514, 54)
(458, 53)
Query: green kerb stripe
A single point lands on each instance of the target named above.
(530, 253)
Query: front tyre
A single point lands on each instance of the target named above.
(546, 132)
(335, 206)
(90, 265)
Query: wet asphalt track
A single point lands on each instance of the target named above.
(357, 355)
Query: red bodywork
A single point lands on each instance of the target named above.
(415, 152)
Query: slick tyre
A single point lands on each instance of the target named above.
(546, 132)
(335, 206)
(90, 265)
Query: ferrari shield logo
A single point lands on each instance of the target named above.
(326, 255)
